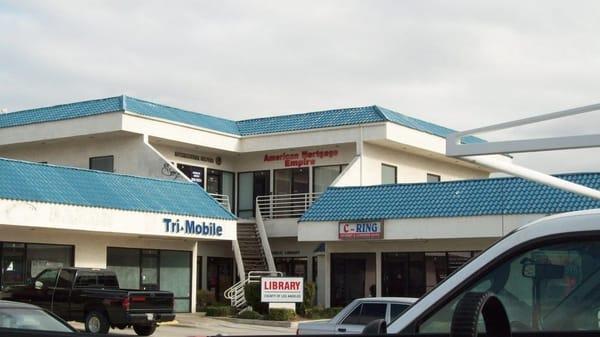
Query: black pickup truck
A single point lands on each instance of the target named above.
(93, 296)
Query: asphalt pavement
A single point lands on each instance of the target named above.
(195, 325)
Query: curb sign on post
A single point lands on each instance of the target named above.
(281, 289)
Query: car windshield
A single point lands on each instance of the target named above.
(31, 319)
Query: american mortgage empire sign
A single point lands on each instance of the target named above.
(300, 159)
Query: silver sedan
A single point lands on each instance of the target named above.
(353, 318)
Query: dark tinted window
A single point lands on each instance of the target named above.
(372, 311)
(85, 280)
(396, 310)
(105, 163)
(354, 317)
(108, 281)
(65, 278)
(47, 278)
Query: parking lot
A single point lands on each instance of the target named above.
(195, 325)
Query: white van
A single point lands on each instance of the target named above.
(546, 274)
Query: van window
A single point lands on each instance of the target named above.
(552, 288)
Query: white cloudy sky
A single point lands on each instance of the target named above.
(461, 64)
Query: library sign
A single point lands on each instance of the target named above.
(364, 230)
(281, 289)
(302, 158)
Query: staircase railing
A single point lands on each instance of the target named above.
(236, 295)
(222, 199)
(285, 205)
(264, 240)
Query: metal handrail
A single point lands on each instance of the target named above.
(222, 199)
(236, 295)
(285, 205)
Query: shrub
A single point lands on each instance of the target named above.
(322, 313)
(205, 299)
(310, 290)
(252, 293)
(219, 311)
(249, 314)
(281, 315)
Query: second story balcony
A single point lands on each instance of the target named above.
(282, 206)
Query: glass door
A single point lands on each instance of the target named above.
(251, 185)
(291, 181)
(348, 276)
(220, 276)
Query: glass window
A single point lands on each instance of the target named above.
(292, 266)
(125, 262)
(175, 276)
(104, 163)
(553, 288)
(47, 278)
(30, 319)
(149, 270)
(436, 269)
(283, 181)
(228, 188)
(388, 174)
(323, 176)
(396, 310)
(194, 173)
(13, 263)
(433, 178)
(65, 278)
(372, 311)
(245, 195)
(41, 256)
(354, 317)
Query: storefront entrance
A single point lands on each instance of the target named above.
(219, 276)
(413, 274)
(153, 269)
(352, 277)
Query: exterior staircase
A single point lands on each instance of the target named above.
(253, 256)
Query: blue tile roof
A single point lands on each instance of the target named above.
(450, 199)
(28, 181)
(256, 126)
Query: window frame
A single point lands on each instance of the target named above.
(395, 173)
(415, 324)
(112, 157)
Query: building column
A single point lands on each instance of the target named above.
(194, 276)
(378, 274)
(327, 279)
(204, 272)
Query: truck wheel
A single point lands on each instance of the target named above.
(144, 330)
(96, 322)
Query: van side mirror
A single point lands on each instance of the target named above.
(376, 327)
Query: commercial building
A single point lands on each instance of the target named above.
(267, 172)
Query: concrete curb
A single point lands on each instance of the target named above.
(276, 324)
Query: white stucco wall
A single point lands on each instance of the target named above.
(411, 168)
(131, 156)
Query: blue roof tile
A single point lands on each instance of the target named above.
(450, 199)
(257, 126)
(28, 181)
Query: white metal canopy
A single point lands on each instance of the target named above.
(480, 153)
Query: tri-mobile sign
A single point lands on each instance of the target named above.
(364, 230)
(281, 289)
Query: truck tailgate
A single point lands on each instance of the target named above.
(150, 301)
